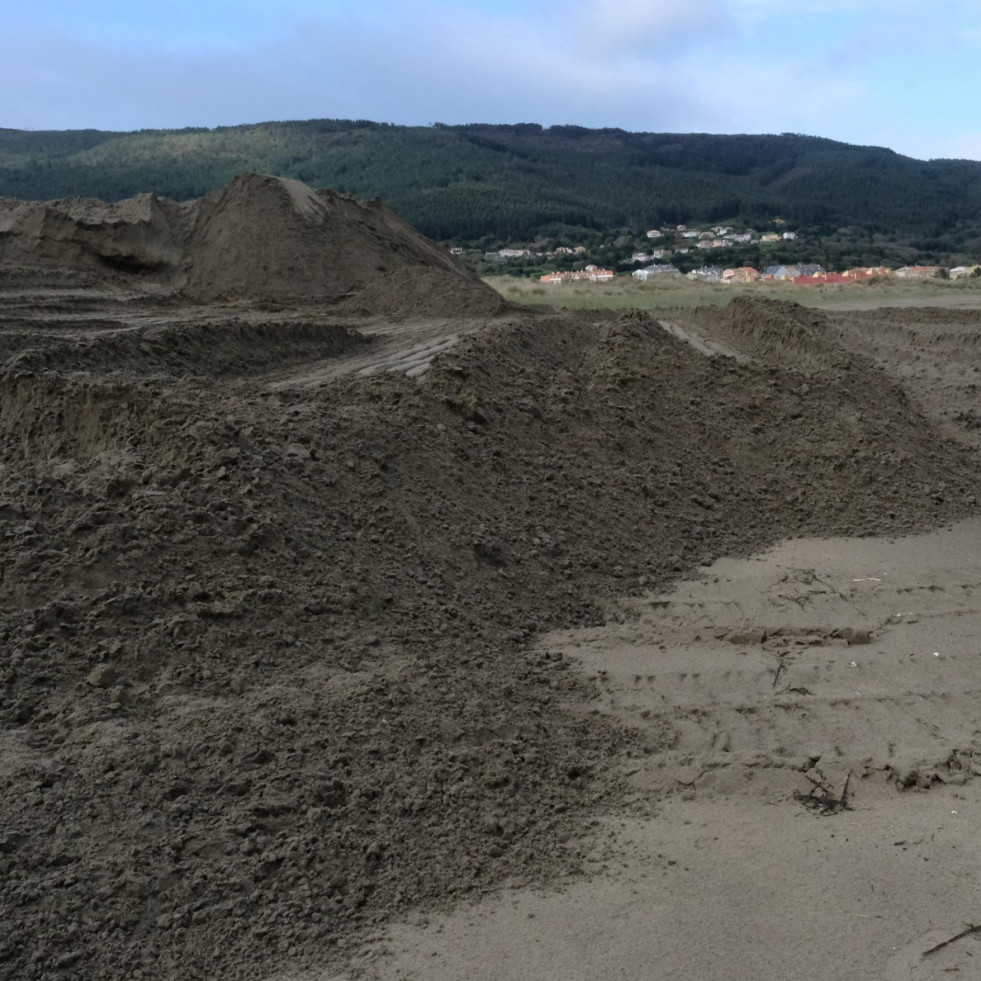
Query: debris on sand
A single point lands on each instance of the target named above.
(968, 931)
(823, 800)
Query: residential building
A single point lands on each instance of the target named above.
(592, 274)
(662, 269)
(654, 233)
(707, 274)
(917, 272)
(783, 274)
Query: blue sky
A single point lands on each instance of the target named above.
(900, 73)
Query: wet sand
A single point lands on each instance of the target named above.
(817, 660)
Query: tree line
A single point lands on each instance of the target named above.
(477, 182)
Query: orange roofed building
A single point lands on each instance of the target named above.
(917, 272)
(591, 274)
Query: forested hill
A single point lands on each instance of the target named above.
(520, 182)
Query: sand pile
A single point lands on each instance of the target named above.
(203, 350)
(934, 353)
(142, 236)
(776, 332)
(266, 678)
(260, 238)
(273, 238)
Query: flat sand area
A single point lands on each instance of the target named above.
(815, 662)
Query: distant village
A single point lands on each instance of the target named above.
(802, 275)
(655, 263)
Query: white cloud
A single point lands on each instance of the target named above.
(663, 27)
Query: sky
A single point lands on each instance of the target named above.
(893, 73)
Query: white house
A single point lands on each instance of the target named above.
(663, 269)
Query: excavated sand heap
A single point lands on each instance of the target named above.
(259, 238)
(271, 237)
(142, 235)
(268, 673)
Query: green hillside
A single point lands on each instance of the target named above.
(522, 182)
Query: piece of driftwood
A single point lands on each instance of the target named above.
(823, 800)
(958, 936)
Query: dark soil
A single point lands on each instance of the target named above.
(260, 239)
(266, 676)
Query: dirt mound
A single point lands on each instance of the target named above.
(203, 350)
(136, 237)
(425, 291)
(261, 238)
(917, 315)
(936, 354)
(266, 677)
(775, 332)
(272, 238)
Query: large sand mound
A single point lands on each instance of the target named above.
(266, 679)
(259, 238)
(267, 237)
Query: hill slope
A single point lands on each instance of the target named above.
(464, 182)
